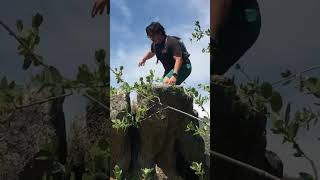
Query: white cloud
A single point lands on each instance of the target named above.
(201, 8)
(124, 9)
(122, 29)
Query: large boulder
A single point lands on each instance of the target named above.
(160, 141)
(163, 139)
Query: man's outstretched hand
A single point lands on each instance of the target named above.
(99, 6)
(141, 63)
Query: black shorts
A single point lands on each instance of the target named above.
(239, 34)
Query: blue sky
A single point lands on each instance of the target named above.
(129, 42)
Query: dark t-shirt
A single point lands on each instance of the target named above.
(168, 48)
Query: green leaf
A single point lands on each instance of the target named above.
(277, 124)
(12, 85)
(293, 129)
(117, 172)
(4, 83)
(276, 101)
(37, 20)
(19, 24)
(147, 173)
(55, 74)
(305, 176)
(36, 39)
(36, 63)
(297, 154)
(313, 80)
(286, 74)
(100, 55)
(287, 115)
(237, 67)
(266, 90)
(197, 167)
(26, 63)
(190, 127)
(84, 75)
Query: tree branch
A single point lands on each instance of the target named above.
(40, 102)
(244, 165)
(295, 75)
(12, 33)
(96, 101)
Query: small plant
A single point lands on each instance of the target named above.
(147, 174)
(117, 171)
(197, 167)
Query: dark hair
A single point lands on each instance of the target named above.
(155, 28)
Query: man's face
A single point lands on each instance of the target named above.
(155, 38)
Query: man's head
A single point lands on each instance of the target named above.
(155, 32)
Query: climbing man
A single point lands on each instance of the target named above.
(171, 52)
(235, 26)
(99, 6)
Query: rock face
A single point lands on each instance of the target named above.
(120, 140)
(98, 128)
(28, 131)
(160, 142)
(239, 135)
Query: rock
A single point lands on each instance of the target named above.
(163, 140)
(98, 126)
(273, 164)
(160, 142)
(27, 131)
(120, 140)
(238, 131)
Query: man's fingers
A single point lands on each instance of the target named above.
(96, 10)
(108, 6)
(93, 9)
(101, 8)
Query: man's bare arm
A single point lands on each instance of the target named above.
(149, 55)
(177, 64)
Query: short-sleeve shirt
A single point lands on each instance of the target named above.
(165, 51)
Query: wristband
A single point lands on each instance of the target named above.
(175, 75)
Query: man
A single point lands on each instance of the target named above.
(171, 52)
(99, 7)
(235, 26)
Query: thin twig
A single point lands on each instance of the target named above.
(314, 168)
(95, 100)
(295, 75)
(244, 165)
(40, 102)
(155, 113)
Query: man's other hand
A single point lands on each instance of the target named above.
(172, 80)
(141, 63)
(99, 6)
